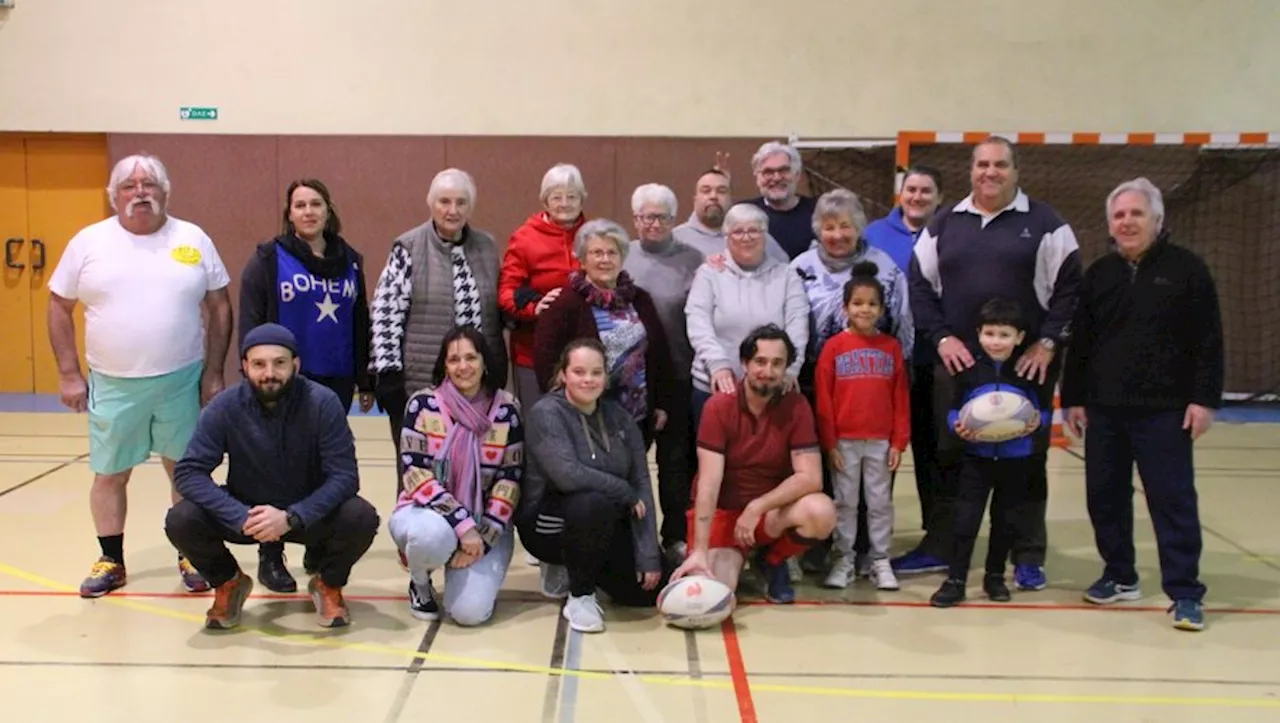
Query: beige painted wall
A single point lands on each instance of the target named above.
(827, 68)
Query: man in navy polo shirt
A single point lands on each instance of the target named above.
(995, 243)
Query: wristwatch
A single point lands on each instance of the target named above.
(1048, 344)
(294, 521)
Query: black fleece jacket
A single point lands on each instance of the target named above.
(1146, 335)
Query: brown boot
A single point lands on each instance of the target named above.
(228, 601)
(331, 609)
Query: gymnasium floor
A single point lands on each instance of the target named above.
(141, 654)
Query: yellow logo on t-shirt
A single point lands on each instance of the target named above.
(188, 255)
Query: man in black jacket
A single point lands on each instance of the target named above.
(1143, 374)
(291, 477)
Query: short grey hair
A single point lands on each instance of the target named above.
(839, 202)
(1155, 200)
(655, 193)
(773, 147)
(605, 229)
(125, 167)
(452, 179)
(562, 175)
(745, 213)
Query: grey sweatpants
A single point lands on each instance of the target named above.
(866, 464)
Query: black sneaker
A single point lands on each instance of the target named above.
(273, 573)
(423, 607)
(993, 585)
(951, 593)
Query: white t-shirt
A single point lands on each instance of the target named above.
(142, 294)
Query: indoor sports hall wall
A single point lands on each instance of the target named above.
(835, 68)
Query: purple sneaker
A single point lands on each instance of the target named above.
(105, 576)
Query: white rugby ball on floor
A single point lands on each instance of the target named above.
(695, 602)
(998, 416)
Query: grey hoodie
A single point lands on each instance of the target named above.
(724, 306)
(561, 454)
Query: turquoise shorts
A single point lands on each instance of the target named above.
(131, 418)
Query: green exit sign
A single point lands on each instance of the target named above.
(198, 113)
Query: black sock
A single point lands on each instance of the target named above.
(112, 547)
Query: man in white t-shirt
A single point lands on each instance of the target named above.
(144, 278)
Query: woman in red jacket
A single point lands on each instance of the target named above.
(537, 264)
(602, 302)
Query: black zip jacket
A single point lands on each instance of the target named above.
(1146, 335)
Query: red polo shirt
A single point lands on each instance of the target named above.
(757, 450)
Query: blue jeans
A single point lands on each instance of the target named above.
(1114, 440)
(428, 541)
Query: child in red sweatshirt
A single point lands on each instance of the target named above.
(864, 425)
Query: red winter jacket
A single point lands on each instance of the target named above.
(539, 258)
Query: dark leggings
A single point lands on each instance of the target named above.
(591, 537)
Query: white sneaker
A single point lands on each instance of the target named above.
(530, 560)
(584, 614)
(555, 581)
(794, 571)
(882, 574)
(841, 573)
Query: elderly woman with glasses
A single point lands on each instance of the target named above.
(536, 266)
(724, 305)
(601, 301)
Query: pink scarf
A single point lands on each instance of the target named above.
(458, 464)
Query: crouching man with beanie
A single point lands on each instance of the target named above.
(291, 477)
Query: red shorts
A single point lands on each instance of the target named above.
(722, 524)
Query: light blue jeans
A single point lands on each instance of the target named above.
(428, 541)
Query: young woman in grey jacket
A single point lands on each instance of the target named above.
(586, 509)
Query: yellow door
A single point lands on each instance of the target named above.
(66, 191)
(51, 186)
(16, 370)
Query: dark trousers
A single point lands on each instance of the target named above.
(1116, 439)
(1004, 482)
(333, 544)
(675, 466)
(924, 440)
(344, 387)
(591, 537)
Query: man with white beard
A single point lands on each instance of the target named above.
(144, 278)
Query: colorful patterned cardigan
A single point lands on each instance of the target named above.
(501, 460)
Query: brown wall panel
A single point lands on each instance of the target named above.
(508, 174)
(227, 185)
(379, 184)
(677, 163)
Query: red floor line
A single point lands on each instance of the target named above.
(975, 605)
(738, 672)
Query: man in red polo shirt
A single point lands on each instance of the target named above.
(759, 482)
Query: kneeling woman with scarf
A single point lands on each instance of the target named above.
(461, 448)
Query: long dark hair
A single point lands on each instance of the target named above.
(471, 334)
(332, 224)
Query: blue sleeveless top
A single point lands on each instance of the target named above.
(321, 314)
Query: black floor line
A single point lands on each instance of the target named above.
(1260, 559)
(411, 673)
(43, 474)
(556, 662)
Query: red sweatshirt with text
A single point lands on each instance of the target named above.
(862, 390)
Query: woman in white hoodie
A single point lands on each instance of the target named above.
(725, 304)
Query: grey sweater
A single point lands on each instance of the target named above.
(562, 455)
(724, 306)
(666, 272)
(710, 241)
